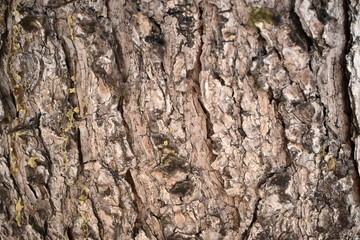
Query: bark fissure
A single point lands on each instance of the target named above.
(268, 176)
(46, 152)
(139, 222)
(80, 169)
(128, 130)
(195, 76)
(306, 41)
(69, 64)
(99, 222)
(6, 98)
(4, 36)
(247, 231)
(49, 164)
(69, 233)
(14, 182)
(348, 103)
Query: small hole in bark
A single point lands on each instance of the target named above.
(28, 23)
(154, 39)
(281, 180)
(182, 188)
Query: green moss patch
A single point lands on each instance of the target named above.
(259, 15)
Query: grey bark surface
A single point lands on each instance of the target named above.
(179, 119)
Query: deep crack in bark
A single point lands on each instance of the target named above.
(99, 223)
(80, 153)
(347, 101)
(139, 224)
(196, 78)
(245, 235)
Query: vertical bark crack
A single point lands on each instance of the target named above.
(116, 46)
(129, 136)
(81, 160)
(99, 223)
(347, 102)
(69, 233)
(195, 76)
(245, 235)
(6, 96)
(305, 40)
(139, 222)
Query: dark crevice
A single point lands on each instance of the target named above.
(120, 63)
(71, 70)
(119, 57)
(117, 50)
(56, 5)
(46, 152)
(195, 77)
(6, 95)
(99, 223)
(34, 224)
(185, 22)
(164, 75)
(299, 36)
(245, 235)
(347, 102)
(198, 64)
(137, 204)
(219, 78)
(346, 74)
(264, 179)
(68, 62)
(47, 157)
(128, 132)
(161, 228)
(4, 36)
(284, 127)
(81, 160)
(158, 26)
(32, 190)
(46, 229)
(32, 124)
(209, 128)
(8, 163)
(3, 51)
(69, 233)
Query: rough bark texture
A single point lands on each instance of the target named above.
(179, 119)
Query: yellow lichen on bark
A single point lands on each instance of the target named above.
(19, 207)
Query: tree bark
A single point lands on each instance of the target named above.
(179, 119)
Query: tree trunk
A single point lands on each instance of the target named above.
(179, 119)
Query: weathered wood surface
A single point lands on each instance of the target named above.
(179, 119)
